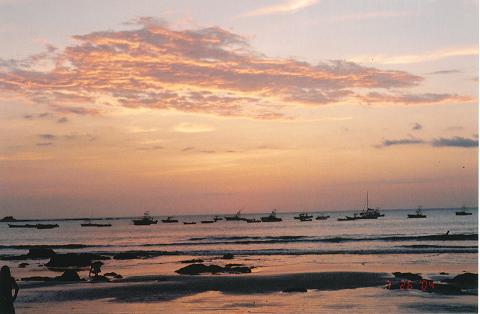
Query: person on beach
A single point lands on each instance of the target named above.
(7, 284)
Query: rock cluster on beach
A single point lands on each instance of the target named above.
(197, 269)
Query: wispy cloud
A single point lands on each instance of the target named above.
(413, 99)
(186, 127)
(402, 141)
(417, 58)
(443, 72)
(287, 7)
(208, 71)
(456, 141)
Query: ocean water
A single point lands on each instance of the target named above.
(387, 242)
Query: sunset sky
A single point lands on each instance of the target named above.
(117, 107)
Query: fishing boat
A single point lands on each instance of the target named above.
(46, 226)
(22, 226)
(169, 220)
(305, 219)
(146, 220)
(89, 223)
(252, 220)
(217, 218)
(322, 217)
(272, 217)
(235, 217)
(348, 218)
(418, 213)
(303, 215)
(189, 223)
(463, 212)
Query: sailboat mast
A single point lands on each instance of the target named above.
(367, 200)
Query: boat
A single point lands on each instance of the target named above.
(418, 213)
(272, 217)
(22, 226)
(217, 218)
(252, 220)
(146, 220)
(46, 226)
(305, 219)
(463, 212)
(207, 221)
(235, 217)
(88, 223)
(37, 226)
(189, 223)
(95, 225)
(370, 213)
(348, 218)
(322, 217)
(169, 220)
(303, 215)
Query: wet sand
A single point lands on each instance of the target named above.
(360, 292)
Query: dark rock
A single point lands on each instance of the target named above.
(68, 275)
(23, 265)
(228, 256)
(238, 270)
(100, 278)
(39, 252)
(114, 275)
(192, 261)
(232, 265)
(295, 289)
(197, 269)
(73, 260)
(464, 281)
(408, 276)
(37, 278)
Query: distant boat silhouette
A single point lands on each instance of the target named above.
(272, 217)
(169, 220)
(418, 213)
(321, 217)
(89, 223)
(189, 223)
(145, 221)
(463, 212)
(235, 217)
(37, 226)
(303, 215)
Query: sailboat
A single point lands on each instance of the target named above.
(370, 213)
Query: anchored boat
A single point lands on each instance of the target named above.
(272, 217)
(145, 221)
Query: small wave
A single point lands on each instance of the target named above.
(51, 246)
